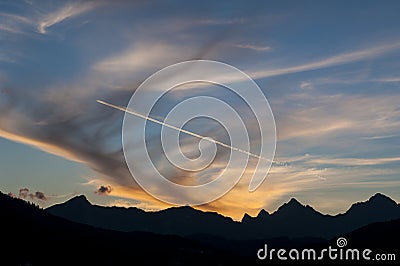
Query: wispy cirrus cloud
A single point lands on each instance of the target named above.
(257, 48)
(380, 137)
(387, 79)
(141, 57)
(6, 58)
(70, 10)
(334, 60)
(221, 21)
(19, 24)
(15, 24)
(317, 115)
(338, 59)
(11, 29)
(15, 18)
(355, 161)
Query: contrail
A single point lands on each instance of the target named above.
(123, 109)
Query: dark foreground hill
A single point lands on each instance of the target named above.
(31, 236)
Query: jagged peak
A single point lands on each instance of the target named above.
(262, 213)
(294, 201)
(380, 197)
(80, 198)
(377, 200)
(293, 205)
(246, 217)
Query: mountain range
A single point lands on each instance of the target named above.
(292, 219)
(33, 236)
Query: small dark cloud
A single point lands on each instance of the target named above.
(102, 190)
(40, 195)
(23, 193)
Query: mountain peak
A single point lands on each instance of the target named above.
(379, 202)
(246, 218)
(81, 199)
(295, 208)
(381, 198)
(291, 204)
(262, 213)
(378, 199)
(294, 202)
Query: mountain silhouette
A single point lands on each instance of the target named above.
(32, 236)
(378, 208)
(292, 219)
(170, 221)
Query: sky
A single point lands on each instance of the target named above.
(330, 71)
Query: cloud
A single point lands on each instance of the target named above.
(338, 59)
(140, 57)
(306, 85)
(253, 47)
(70, 10)
(23, 193)
(123, 62)
(15, 24)
(103, 190)
(8, 28)
(315, 115)
(380, 137)
(15, 18)
(41, 145)
(387, 80)
(355, 161)
(83, 135)
(222, 21)
(38, 195)
(6, 58)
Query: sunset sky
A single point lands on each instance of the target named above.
(330, 71)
